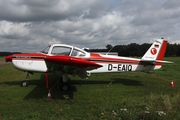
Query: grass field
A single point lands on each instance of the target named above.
(122, 96)
(2, 58)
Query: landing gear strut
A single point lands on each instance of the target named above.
(64, 85)
(25, 82)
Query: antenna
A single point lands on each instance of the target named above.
(110, 50)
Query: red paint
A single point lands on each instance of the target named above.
(107, 60)
(31, 54)
(162, 52)
(8, 58)
(72, 61)
(172, 83)
(28, 56)
(153, 51)
(46, 74)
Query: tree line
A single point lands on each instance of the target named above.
(8, 53)
(132, 49)
(135, 49)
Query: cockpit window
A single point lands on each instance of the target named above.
(45, 50)
(59, 50)
(77, 53)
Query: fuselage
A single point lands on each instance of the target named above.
(35, 62)
(69, 59)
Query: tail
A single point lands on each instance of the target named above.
(155, 53)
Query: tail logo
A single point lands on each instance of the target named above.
(153, 51)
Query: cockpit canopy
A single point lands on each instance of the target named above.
(66, 50)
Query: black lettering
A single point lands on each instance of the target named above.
(130, 68)
(119, 67)
(123, 67)
(110, 66)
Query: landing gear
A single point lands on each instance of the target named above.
(64, 85)
(25, 82)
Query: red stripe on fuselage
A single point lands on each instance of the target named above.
(28, 59)
(109, 60)
(29, 56)
(96, 57)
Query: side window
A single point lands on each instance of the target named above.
(61, 51)
(77, 53)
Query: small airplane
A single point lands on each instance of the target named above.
(65, 59)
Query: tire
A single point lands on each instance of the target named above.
(65, 87)
(24, 84)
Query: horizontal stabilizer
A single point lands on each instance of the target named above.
(154, 61)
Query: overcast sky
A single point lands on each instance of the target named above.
(30, 25)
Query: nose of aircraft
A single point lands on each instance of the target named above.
(8, 58)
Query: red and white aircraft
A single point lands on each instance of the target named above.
(66, 59)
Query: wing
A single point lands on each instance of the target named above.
(71, 65)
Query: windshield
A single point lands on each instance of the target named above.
(61, 50)
(45, 50)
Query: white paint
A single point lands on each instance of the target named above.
(30, 65)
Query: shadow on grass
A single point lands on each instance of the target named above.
(40, 91)
(128, 82)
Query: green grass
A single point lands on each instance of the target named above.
(135, 95)
(2, 58)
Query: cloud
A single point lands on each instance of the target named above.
(175, 42)
(32, 25)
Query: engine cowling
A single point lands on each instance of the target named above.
(8, 58)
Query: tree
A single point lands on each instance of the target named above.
(108, 46)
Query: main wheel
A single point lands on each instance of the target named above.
(65, 86)
(24, 83)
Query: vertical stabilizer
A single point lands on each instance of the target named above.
(156, 51)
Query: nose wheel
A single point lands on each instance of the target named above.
(64, 86)
(63, 83)
(24, 83)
